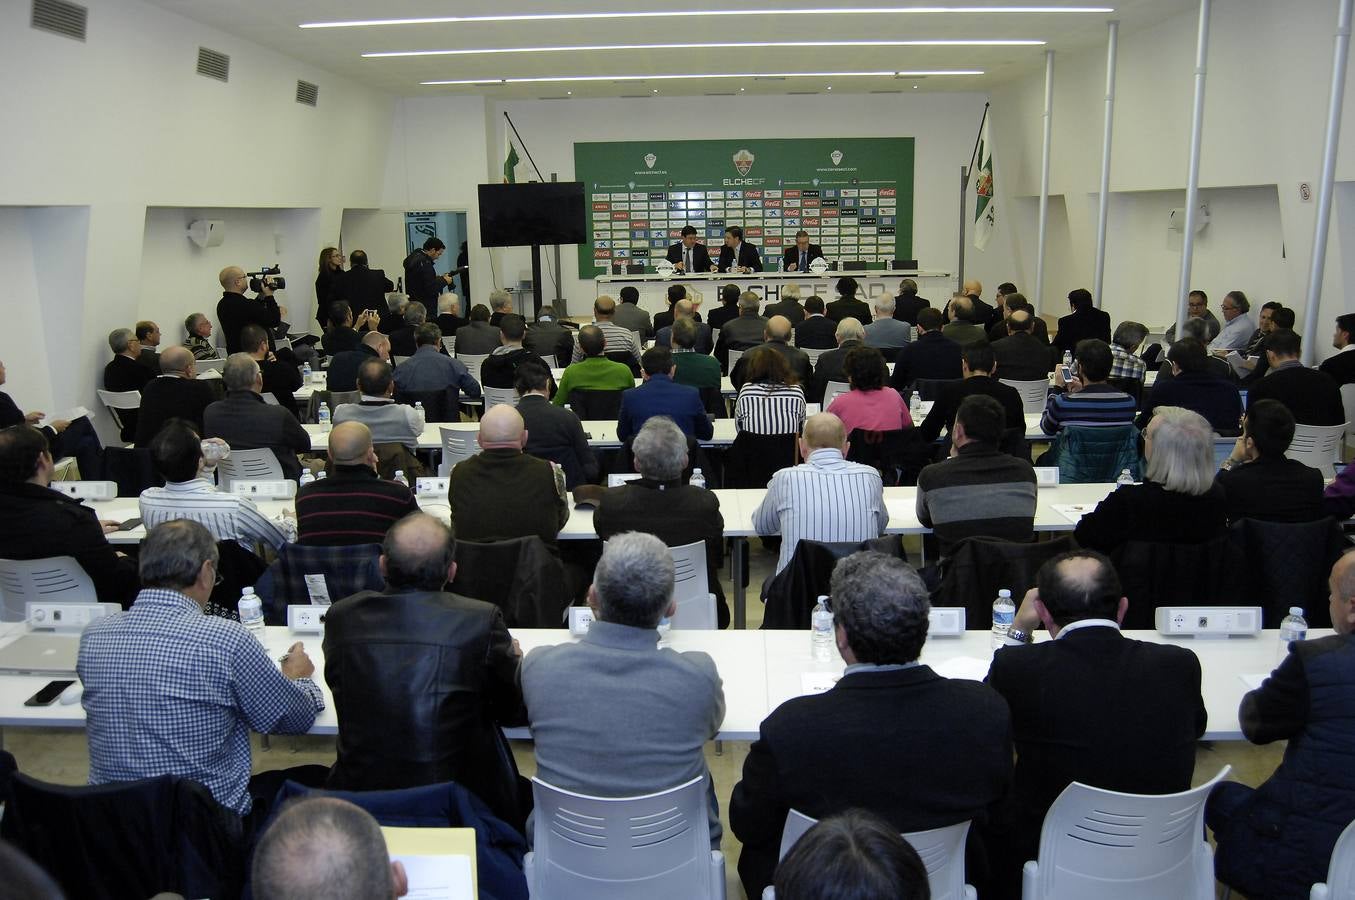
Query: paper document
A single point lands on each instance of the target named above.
(70, 415)
(1073, 512)
(1254, 681)
(440, 862)
(818, 682)
(1236, 360)
(970, 668)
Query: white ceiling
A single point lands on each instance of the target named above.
(274, 24)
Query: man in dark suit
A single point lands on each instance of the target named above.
(963, 327)
(1342, 366)
(125, 373)
(1312, 396)
(979, 372)
(362, 287)
(931, 356)
(917, 749)
(661, 396)
(234, 310)
(281, 374)
(832, 364)
(245, 422)
(688, 256)
(342, 374)
(798, 258)
(777, 336)
(148, 334)
(703, 344)
(728, 308)
(788, 306)
(1090, 705)
(1193, 387)
(402, 338)
(553, 432)
(421, 677)
(175, 394)
(742, 333)
(1259, 481)
(676, 294)
(548, 339)
(847, 306)
(984, 313)
(817, 331)
(478, 337)
(908, 304)
(1015, 302)
(449, 317)
(1021, 356)
(738, 256)
(343, 334)
(500, 370)
(1085, 321)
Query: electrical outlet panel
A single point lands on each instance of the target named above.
(1209, 621)
(946, 621)
(87, 490)
(66, 616)
(1047, 476)
(431, 487)
(303, 619)
(264, 489)
(580, 618)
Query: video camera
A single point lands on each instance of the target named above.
(265, 276)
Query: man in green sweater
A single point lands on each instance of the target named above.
(694, 369)
(594, 372)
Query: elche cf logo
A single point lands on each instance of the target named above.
(650, 159)
(743, 161)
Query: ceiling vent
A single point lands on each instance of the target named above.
(558, 98)
(59, 17)
(886, 92)
(214, 64)
(806, 93)
(307, 93)
(721, 94)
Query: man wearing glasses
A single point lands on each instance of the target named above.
(1238, 326)
(234, 310)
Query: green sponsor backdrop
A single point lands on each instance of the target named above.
(853, 195)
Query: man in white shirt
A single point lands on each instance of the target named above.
(1237, 325)
(618, 338)
(825, 498)
(390, 422)
(189, 494)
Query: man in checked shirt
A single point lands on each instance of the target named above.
(169, 690)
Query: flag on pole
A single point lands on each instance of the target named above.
(510, 161)
(985, 207)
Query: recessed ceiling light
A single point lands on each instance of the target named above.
(914, 87)
(706, 75)
(830, 87)
(667, 14)
(713, 45)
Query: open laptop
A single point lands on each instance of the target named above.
(41, 653)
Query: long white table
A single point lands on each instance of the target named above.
(871, 283)
(760, 670)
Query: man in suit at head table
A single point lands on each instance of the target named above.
(737, 255)
(688, 256)
(798, 258)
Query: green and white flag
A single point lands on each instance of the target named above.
(985, 206)
(510, 161)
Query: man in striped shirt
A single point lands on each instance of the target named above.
(618, 338)
(1086, 398)
(825, 498)
(353, 505)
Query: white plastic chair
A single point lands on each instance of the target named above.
(458, 444)
(1317, 446)
(832, 389)
(1113, 846)
(118, 400)
(56, 579)
(616, 479)
(282, 343)
(734, 357)
(249, 464)
(209, 365)
(940, 849)
(1034, 394)
(496, 396)
(1340, 883)
(1348, 401)
(656, 847)
(813, 354)
(691, 588)
(396, 360)
(473, 364)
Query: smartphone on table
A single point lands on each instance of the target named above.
(47, 696)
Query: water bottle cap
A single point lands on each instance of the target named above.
(1005, 593)
(1296, 611)
(696, 471)
(245, 592)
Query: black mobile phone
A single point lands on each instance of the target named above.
(47, 696)
(130, 524)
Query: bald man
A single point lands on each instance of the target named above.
(174, 394)
(825, 498)
(325, 847)
(234, 310)
(422, 677)
(503, 493)
(619, 339)
(776, 335)
(353, 505)
(343, 367)
(685, 309)
(984, 314)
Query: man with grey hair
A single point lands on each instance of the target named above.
(449, 317)
(917, 749)
(660, 503)
(1238, 325)
(199, 330)
(887, 334)
(176, 393)
(548, 339)
(246, 422)
(618, 715)
(789, 305)
(684, 309)
(1123, 345)
(618, 339)
(831, 366)
(171, 691)
(908, 304)
(500, 305)
(125, 373)
(402, 339)
(324, 848)
(744, 332)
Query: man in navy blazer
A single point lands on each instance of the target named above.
(661, 396)
(688, 249)
(737, 255)
(798, 258)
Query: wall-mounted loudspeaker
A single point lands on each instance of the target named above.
(1176, 220)
(207, 232)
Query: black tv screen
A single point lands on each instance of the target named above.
(519, 215)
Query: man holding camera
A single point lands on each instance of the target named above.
(234, 311)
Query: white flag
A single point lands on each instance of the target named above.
(985, 206)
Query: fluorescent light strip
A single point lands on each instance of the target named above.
(746, 76)
(671, 13)
(723, 45)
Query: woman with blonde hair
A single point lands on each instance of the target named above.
(327, 280)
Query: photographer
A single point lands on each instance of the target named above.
(421, 282)
(234, 311)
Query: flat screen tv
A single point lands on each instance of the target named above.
(519, 215)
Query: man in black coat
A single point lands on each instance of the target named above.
(817, 331)
(847, 306)
(245, 422)
(234, 310)
(342, 374)
(931, 356)
(1090, 705)
(737, 255)
(281, 371)
(364, 288)
(776, 335)
(979, 377)
(1312, 396)
(1259, 481)
(908, 304)
(832, 364)
(422, 283)
(125, 373)
(1342, 366)
(891, 737)
(1021, 356)
(175, 394)
(553, 432)
(548, 339)
(686, 250)
(798, 258)
(1085, 321)
(789, 306)
(1015, 303)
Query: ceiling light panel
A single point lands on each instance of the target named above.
(713, 45)
(706, 75)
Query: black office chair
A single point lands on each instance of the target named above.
(979, 567)
(595, 406)
(791, 595)
(438, 406)
(626, 359)
(1287, 564)
(753, 459)
(1157, 574)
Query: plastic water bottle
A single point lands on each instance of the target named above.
(697, 479)
(322, 475)
(418, 407)
(251, 612)
(1067, 357)
(1004, 613)
(324, 417)
(915, 408)
(1293, 628)
(400, 477)
(306, 372)
(307, 477)
(821, 631)
(1126, 477)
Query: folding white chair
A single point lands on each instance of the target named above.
(832, 389)
(114, 401)
(1033, 393)
(496, 396)
(1317, 446)
(691, 587)
(396, 360)
(457, 444)
(209, 365)
(734, 357)
(56, 579)
(248, 464)
(1340, 883)
(813, 354)
(598, 848)
(1348, 401)
(1113, 846)
(473, 364)
(282, 343)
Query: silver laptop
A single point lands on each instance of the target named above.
(40, 653)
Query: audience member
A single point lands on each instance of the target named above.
(853, 854)
(421, 677)
(245, 422)
(616, 715)
(280, 377)
(728, 308)
(1178, 501)
(788, 306)
(676, 294)
(978, 370)
(908, 304)
(983, 313)
(324, 848)
(549, 339)
(1275, 840)
(1124, 344)
(343, 367)
(148, 335)
(702, 341)
(1338, 498)
(932, 356)
(429, 370)
(659, 395)
(1197, 307)
(353, 505)
(776, 336)
(742, 333)
(391, 314)
(171, 691)
(630, 316)
(327, 280)
(886, 332)
(1087, 399)
(1341, 367)
(1238, 326)
(234, 310)
(919, 750)
(771, 400)
(692, 367)
(362, 286)
(619, 340)
(1016, 302)
(1193, 387)
(402, 338)
(500, 305)
(501, 493)
(1084, 322)
(477, 337)
(962, 328)
(870, 405)
(500, 370)
(832, 364)
(1021, 355)
(422, 282)
(39, 523)
(825, 498)
(199, 341)
(1259, 481)
(1312, 396)
(816, 331)
(847, 306)
(124, 373)
(449, 317)
(1274, 317)
(174, 394)
(53, 431)
(551, 431)
(390, 422)
(344, 327)
(593, 371)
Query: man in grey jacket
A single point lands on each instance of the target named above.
(615, 715)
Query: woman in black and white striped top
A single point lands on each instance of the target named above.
(770, 401)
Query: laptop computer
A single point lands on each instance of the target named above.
(41, 653)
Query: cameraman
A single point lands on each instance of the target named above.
(421, 282)
(234, 311)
